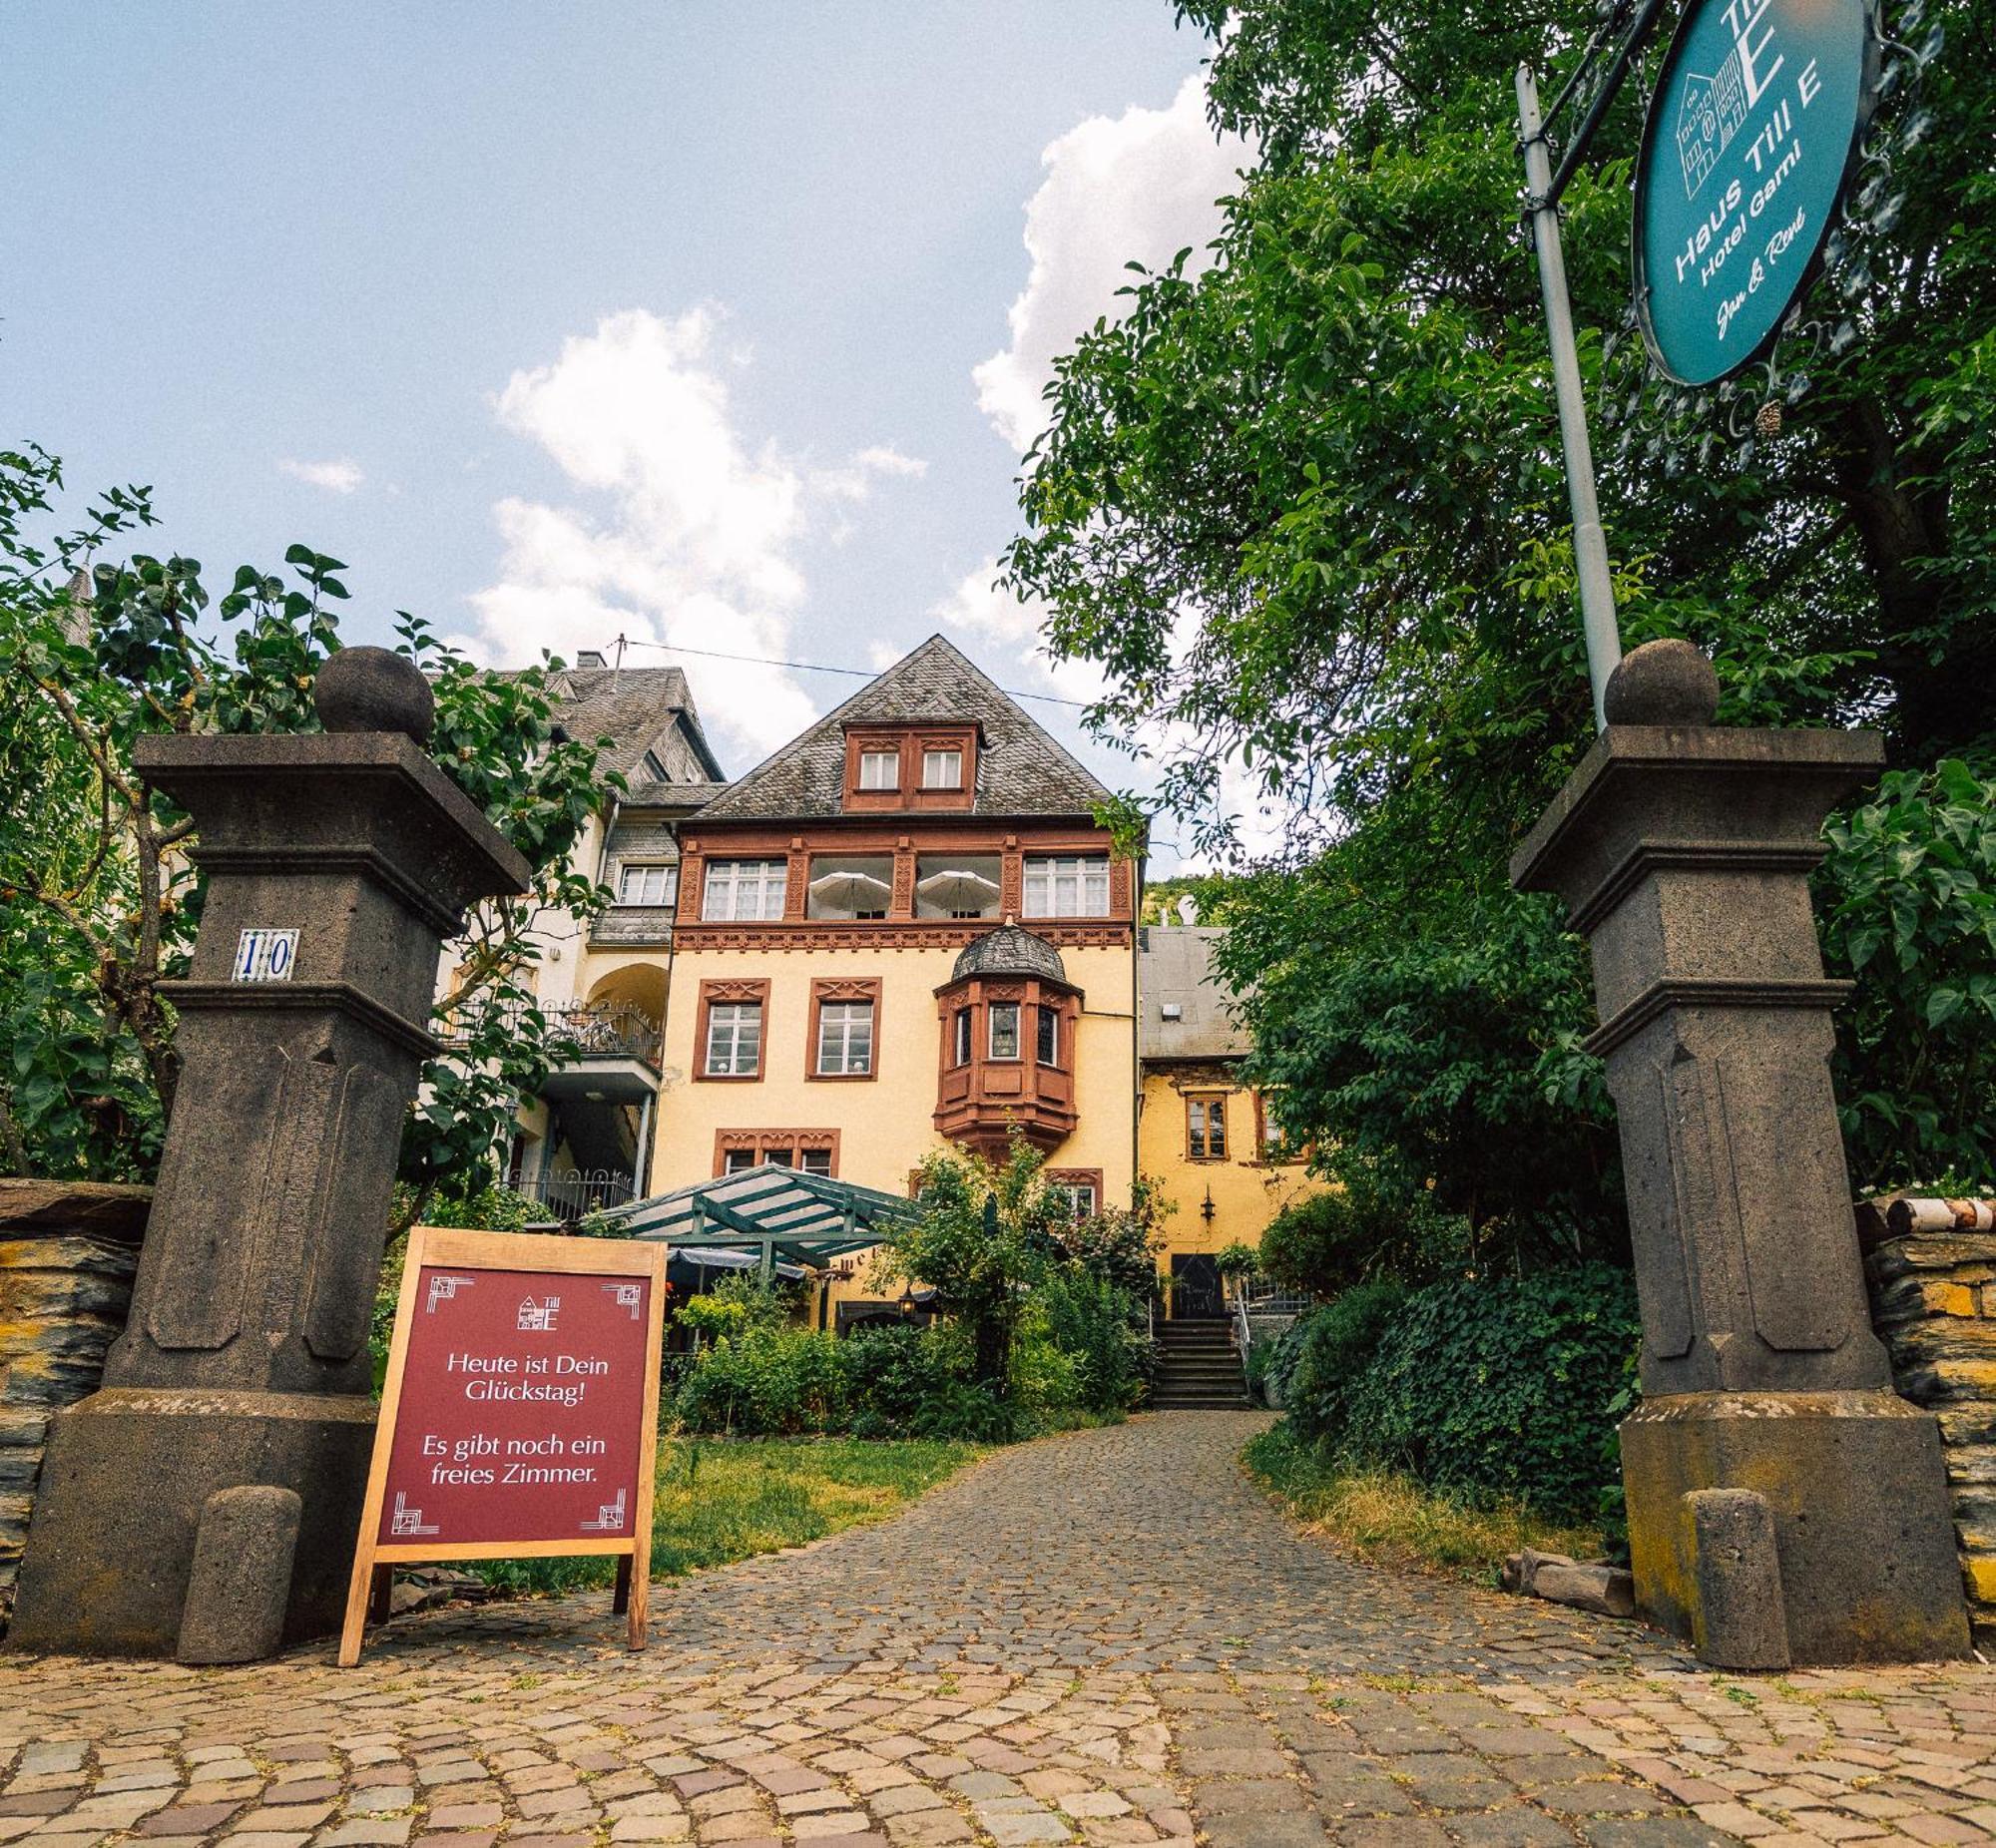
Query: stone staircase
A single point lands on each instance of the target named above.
(1197, 1368)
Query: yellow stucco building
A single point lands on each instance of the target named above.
(903, 931)
(1210, 1142)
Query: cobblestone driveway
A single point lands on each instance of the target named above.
(1104, 1637)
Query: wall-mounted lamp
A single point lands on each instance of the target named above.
(1205, 1206)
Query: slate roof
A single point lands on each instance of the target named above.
(1021, 771)
(1175, 967)
(645, 793)
(631, 707)
(1010, 950)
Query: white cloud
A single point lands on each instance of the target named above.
(692, 532)
(1138, 187)
(341, 477)
(998, 623)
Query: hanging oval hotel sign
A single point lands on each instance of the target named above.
(1753, 134)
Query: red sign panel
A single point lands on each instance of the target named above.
(522, 1409)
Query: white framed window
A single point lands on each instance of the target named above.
(734, 1038)
(844, 1039)
(942, 769)
(815, 1161)
(1046, 1030)
(736, 1160)
(1004, 1029)
(738, 889)
(647, 882)
(962, 1047)
(879, 770)
(1078, 1195)
(1067, 886)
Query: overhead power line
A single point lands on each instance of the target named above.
(816, 667)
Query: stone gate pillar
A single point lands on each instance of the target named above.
(1683, 851)
(336, 867)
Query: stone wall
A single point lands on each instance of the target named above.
(1931, 1266)
(68, 1253)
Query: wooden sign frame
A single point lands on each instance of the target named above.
(373, 1562)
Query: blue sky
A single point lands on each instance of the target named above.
(716, 323)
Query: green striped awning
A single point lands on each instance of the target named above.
(776, 1212)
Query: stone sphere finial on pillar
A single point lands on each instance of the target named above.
(374, 690)
(1663, 684)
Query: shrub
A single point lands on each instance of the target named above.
(967, 1414)
(1328, 1352)
(1101, 1327)
(1504, 1388)
(768, 1380)
(1364, 1228)
(1237, 1261)
(892, 1373)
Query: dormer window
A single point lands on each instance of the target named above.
(904, 769)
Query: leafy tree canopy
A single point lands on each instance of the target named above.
(1306, 509)
(100, 899)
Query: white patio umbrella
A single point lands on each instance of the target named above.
(852, 891)
(958, 889)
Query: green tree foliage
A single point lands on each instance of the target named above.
(1306, 509)
(1369, 1227)
(102, 899)
(1910, 889)
(1504, 1389)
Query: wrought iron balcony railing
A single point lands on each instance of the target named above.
(577, 1193)
(604, 1030)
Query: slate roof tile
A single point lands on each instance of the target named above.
(1021, 769)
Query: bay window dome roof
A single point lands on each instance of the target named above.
(1010, 950)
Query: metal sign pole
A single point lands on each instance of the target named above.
(1589, 544)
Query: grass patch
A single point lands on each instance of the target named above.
(720, 1500)
(1387, 1519)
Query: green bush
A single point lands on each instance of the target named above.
(1323, 1355)
(768, 1380)
(1495, 1388)
(892, 1373)
(1363, 1227)
(966, 1414)
(1101, 1327)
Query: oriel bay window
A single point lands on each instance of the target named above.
(1067, 886)
(844, 1027)
(1008, 1017)
(731, 1028)
(744, 889)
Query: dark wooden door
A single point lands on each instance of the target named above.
(1195, 1287)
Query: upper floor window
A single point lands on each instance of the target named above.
(1004, 1029)
(1076, 1198)
(734, 1038)
(849, 886)
(879, 770)
(744, 889)
(958, 886)
(846, 1039)
(1067, 886)
(1047, 1034)
(942, 769)
(640, 882)
(1205, 1128)
(961, 1048)
(1276, 1144)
